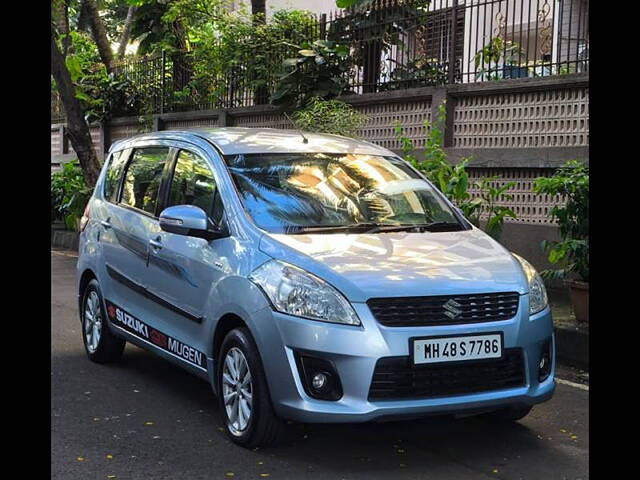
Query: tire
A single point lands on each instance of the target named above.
(509, 414)
(107, 347)
(263, 428)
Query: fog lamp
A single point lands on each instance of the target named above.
(319, 377)
(544, 366)
(319, 381)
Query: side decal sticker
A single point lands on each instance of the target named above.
(134, 326)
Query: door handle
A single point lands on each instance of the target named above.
(106, 224)
(155, 244)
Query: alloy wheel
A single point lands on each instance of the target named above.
(237, 391)
(92, 321)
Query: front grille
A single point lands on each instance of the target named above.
(424, 311)
(396, 378)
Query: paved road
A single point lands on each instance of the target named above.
(147, 419)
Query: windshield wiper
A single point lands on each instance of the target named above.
(380, 228)
(442, 226)
(353, 228)
(418, 227)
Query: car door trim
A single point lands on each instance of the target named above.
(142, 290)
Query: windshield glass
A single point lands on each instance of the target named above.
(289, 193)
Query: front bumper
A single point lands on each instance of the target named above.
(354, 352)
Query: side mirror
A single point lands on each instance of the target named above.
(190, 221)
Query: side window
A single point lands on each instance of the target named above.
(193, 184)
(113, 175)
(143, 178)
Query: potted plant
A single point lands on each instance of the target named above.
(571, 181)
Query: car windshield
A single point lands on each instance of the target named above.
(302, 192)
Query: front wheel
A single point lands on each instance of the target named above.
(101, 345)
(244, 396)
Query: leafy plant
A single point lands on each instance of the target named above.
(69, 194)
(329, 116)
(112, 96)
(416, 73)
(453, 180)
(571, 181)
(234, 54)
(494, 52)
(101, 95)
(490, 195)
(317, 71)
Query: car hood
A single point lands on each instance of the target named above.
(402, 264)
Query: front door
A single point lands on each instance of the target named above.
(183, 271)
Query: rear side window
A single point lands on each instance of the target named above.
(143, 178)
(114, 173)
(193, 183)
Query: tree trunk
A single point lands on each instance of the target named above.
(261, 93)
(77, 127)
(180, 66)
(126, 32)
(259, 6)
(83, 20)
(61, 14)
(99, 33)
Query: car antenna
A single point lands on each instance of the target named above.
(304, 139)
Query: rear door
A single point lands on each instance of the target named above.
(129, 216)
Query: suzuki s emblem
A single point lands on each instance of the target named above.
(451, 309)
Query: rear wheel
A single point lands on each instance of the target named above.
(244, 396)
(99, 343)
(509, 414)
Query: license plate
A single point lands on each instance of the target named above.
(455, 349)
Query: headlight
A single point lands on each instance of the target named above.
(537, 292)
(296, 292)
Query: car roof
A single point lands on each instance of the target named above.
(236, 140)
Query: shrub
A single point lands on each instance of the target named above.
(317, 71)
(571, 181)
(329, 116)
(69, 195)
(101, 95)
(232, 55)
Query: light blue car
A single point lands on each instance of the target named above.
(307, 277)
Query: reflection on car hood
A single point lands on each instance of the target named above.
(402, 264)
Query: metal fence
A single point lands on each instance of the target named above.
(57, 109)
(393, 44)
(517, 38)
(405, 44)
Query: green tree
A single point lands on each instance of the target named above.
(81, 73)
(245, 57)
(77, 127)
(99, 33)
